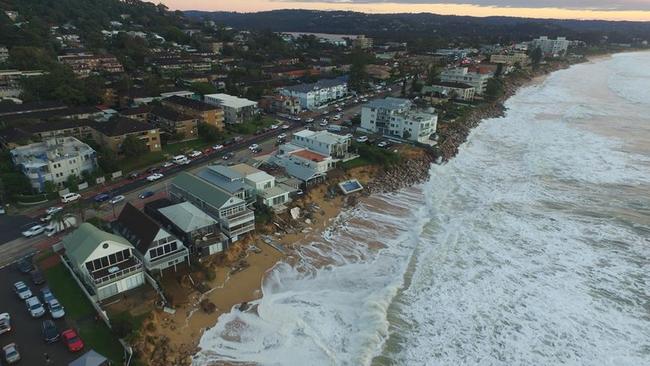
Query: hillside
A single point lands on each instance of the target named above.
(415, 26)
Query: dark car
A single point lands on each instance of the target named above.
(227, 156)
(102, 197)
(25, 266)
(153, 170)
(37, 277)
(134, 176)
(49, 331)
(146, 194)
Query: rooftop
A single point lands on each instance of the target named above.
(320, 84)
(121, 125)
(187, 217)
(54, 149)
(203, 190)
(309, 155)
(223, 177)
(389, 103)
(137, 226)
(82, 242)
(170, 114)
(190, 103)
(321, 136)
(231, 101)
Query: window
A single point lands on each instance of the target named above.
(104, 261)
(112, 258)
(119, 256)
(174, 246)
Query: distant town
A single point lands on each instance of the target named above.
(140, 164)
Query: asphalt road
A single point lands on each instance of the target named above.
(11, 226)
(26, 331)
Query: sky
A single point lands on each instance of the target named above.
(638, 10)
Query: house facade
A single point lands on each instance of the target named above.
(319, 94)
(301, 163)
(112, 134)
(268, 191)
(397, 117)
(156, 248)
(174, 123)
(451, 90)
(232, 213)
(204, 112)
(54, 160)
(235, 110)
(323, 142)
(105, 263)
(551, 47)
(462, 75)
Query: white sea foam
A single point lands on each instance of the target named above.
(529, 248)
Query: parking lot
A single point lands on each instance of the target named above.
(26, 331)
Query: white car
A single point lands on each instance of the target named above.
(323, 123)
(195, 154)
(285, 127)
(56, 309)
(253, 147)
(309, 120)
(35, 307)
(5, 323)
(217, 147)
(167, 164)
(11, 353)
(154, 177)
(282, 136)
(22, 290)
(54, 209)
(33, 231)
(70, 197)
(274, 127)
(362, 139)
(116, 199)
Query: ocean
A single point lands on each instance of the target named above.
(530, 247)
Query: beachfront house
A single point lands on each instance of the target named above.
(105, 263)
(302, 163)
(397, 118)
(156, 247)
(235, 219)
(271, 193)
(323, 142)
(227, 180)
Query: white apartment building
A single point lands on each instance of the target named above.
(319, 94)
(551, 47)
(396, 117)
(323, 142)
(54, 160)
(235, 110)
(463, 75)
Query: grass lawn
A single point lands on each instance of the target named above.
(355, 163)
(128, 164)
(250, 127)
(94, 333)
(178, 148)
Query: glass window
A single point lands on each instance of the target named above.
(126, 253)
(152, 253)
(104, 262)
(119, 256)
(174, 246)
(97, 264)
(112, 258)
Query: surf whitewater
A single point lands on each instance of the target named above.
(530, 247)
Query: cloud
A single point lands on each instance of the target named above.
(643, 5)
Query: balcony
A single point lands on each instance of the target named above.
(239, 218)
(116, 272)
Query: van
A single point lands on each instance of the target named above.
(69, 197)
(181, 159)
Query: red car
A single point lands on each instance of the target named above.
(72, 340)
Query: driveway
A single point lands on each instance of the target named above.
(26, 331)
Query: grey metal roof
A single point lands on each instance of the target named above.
(389, 103)
(90, 358)
(187, 217)
(224, 178)
(202, 189)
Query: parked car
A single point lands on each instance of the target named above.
(208, 151)
(274, 127)
(53, 209)
(256, 151)
(167, 164)
(323, 123)
(228, 156)
(195, 154)
(11, 353)
(116, 199)
(33, 231)
(56, 309)
(309, 120)
(154, 177)
(72, 340)
(35, 307)
(5, 323)
(282, 136)
(134, 176)
(181, 160)
(49, 331)
(145, 194)
(47, 294)
(217, 147)
(382, 144)
(37, 277)
(102, 197)
(253, 147)
(362, 139)
(153, 169)
(70, 197)
(25, 265)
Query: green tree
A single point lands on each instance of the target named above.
(494, 88)
(72, 183)
(358, 76)
(209, 132)
(203, 88)
(133, 147)
(416, 87)
(30, 58)
(432, 74)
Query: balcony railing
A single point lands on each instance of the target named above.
(239, 218)
(117, 272)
